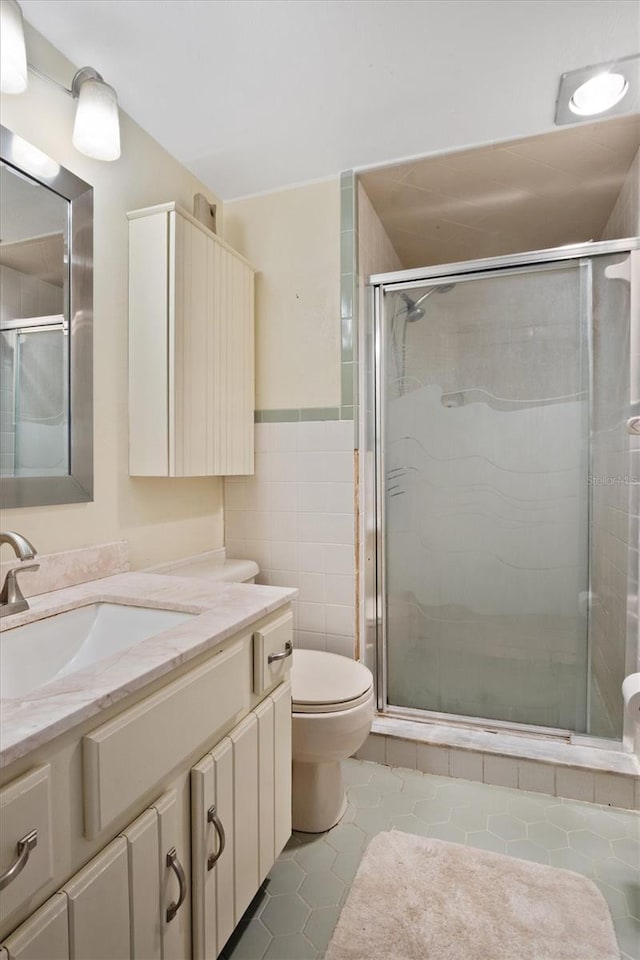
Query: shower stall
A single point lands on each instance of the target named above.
(502, 439)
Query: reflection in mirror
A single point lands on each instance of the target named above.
(34, 369)
(46, 246)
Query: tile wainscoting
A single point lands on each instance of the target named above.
(295, 518)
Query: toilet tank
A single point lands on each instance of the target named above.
(211, 566)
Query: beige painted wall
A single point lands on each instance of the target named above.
(162, 519)
(292, 238)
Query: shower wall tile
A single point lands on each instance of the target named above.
(401, 753)
(433, 759)
(537, 777)
(466, 765)
(575, 784)
(501, 771)
(614, 791)
(295, 518)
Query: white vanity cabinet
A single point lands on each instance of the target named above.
(154, 862)
(191, 349)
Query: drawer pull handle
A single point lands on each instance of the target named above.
(176, 866)
(24, 847)
(288, 650)
(212, 817)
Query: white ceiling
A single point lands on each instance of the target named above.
(253, 95)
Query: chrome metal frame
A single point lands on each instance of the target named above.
(373, 500)
(77, 486)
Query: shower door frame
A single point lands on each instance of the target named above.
(373, 576)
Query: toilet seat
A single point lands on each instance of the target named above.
(327, 683)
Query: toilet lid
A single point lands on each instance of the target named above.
(320, 679)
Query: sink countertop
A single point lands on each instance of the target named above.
(225, 608)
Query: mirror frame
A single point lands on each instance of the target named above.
(77, 485)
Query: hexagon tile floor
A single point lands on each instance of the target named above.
(294, 914)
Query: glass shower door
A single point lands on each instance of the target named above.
(485, 444)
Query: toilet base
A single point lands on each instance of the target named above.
(318, 796)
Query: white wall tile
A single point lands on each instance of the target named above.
(311, 527)
(283, 467)
(338, 466)
(374, 749)
(502, 771)
(308, 640)
(575, 784)
(310, 467)
(338, 497)
(236, 549)
(284, 496)
(465, 764)
(284, 437)
(343, 646)
(257, 494)
(538, 777)
(284, 555)
(312, 587)
(262, 437)
(311, 436)
(401, 753)
(338, 527)
(258, 525)
(339, 558)
(338, 435)
(258, 550)
(614, 790)
(312, 616)
(433, 759)
(311, 497)
(234, 495)
(283, 578)
(311, 557)
(284, 526)
(340, 589)
(262, 465)
(339, 620)
(234, 524)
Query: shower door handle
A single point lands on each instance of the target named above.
(633, 426)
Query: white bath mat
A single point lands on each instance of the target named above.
(419, 899)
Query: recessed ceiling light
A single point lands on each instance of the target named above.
(599, 94)
(606, 88)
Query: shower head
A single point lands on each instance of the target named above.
(414, 310)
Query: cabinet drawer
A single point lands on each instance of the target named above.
(25, 806)
(45, 934)
(129, 755)
(274, 642)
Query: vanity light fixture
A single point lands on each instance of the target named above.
(96, 131)
(13, 52)
(605, 88)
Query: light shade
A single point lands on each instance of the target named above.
(605, 89)
(96, 131)
(13, 54)
(598, 94)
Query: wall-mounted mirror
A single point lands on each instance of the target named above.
(46, 336)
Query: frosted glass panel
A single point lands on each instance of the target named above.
(486, 451)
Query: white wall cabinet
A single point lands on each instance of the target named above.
(191, 349)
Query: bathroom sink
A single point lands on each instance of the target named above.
(46, 650)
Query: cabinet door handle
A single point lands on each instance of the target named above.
(288, 650)
(212, 817)
(24, 847)
(176, 866)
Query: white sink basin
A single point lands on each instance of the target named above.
(45, 650)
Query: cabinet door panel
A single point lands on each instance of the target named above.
(203, 881)
(143, 847)
(99, 920)
(245, 799)
(175, 932)
(282, 761)
(44, 934)
(266, 810)
(225, 867)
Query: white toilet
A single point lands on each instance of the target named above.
(333, 706)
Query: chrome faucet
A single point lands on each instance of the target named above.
(11, 598)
